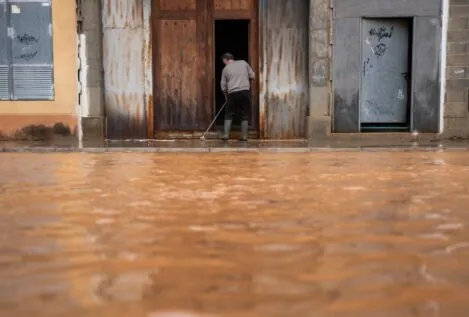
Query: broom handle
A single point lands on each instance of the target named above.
(216, 117)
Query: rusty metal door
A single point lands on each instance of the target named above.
(180, 92)
(385, 62)
(285, 68)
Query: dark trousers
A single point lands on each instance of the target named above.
(239, 100)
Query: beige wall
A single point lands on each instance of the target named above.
(15, 114)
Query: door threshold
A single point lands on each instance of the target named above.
(384, 129)
(188, 135)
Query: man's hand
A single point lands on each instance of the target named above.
(226, 96)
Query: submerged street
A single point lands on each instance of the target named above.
(339, 234)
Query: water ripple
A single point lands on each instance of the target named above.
(252, 235)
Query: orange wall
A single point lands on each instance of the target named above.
(65, 68)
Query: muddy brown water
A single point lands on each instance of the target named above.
(152, 235)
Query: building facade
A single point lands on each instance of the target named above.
(386, 65)
(150, 68)
(38, 62)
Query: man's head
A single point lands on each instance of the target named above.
(227, 58)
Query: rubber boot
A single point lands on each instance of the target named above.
(226, 130)
(244, 131)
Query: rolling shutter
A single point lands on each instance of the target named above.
(4, 54)
(31, 48)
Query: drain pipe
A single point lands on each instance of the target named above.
(443, 56)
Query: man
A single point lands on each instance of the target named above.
(236, 87)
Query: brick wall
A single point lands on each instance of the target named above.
(456, 113)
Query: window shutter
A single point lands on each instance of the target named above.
(32, 61)
(4, 54)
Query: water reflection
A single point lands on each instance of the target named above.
(336, 234)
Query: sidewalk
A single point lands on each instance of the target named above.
(388, 142)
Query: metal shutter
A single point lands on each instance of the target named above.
(32, 59)
(4, 53)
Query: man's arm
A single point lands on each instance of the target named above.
(224, 82)
(251, 73)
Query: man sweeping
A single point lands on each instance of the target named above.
(235, 84)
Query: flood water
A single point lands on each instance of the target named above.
(257, 235)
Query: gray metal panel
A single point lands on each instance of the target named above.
(123, 46)
(32, 50)
(385, 63)
(346, 71)
(386, 8)
(4, 54)
(286, 67)
(426, 74)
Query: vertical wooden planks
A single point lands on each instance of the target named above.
(180, 65)
(233, 4)
(148, 66)
(183, 69)
(178, 73)
(210, 59)
(204, 106)
(254, 61)
(177, 5)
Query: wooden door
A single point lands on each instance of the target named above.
(285, 84)
(180, 65)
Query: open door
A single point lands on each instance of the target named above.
(235, 29)
(179, 61)
(230, 36)
(183, 34)
(285, 86)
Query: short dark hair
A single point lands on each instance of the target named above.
(227, 56)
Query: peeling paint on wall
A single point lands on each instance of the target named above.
(124, 76)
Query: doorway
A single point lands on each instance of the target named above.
(230, 36)
(385, 104)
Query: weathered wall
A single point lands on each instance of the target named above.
(15, 115)
(425, 110)
(456, 111)
(426, 82)
(285, 40)
(126, 29)
(125, 50)
(90, 72)
(319, 122)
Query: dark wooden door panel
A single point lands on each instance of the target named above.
(179, 28)
(183, 47)
(232, 4)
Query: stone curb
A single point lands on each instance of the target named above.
(228, 149)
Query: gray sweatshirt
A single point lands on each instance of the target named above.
(236, 76)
